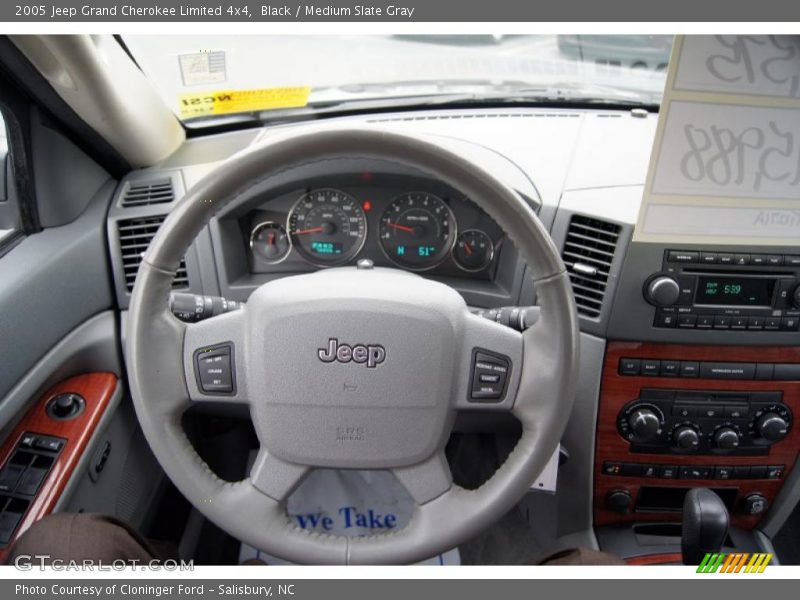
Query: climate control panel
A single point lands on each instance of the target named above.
(704, 422)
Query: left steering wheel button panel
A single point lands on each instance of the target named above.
(214, 369)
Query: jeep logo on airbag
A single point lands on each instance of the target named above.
(372, 355)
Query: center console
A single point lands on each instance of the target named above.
(701, 385)
(673, 417)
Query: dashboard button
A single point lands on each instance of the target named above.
(723, 472)
(755, 323)
(765, 371)
(725, 259)
(721, 322)
(789, 323)
(741, 259)
(792, 261)
(759, 472)
(727, 370)
(666, 319)
(695, 472)
(787, 372)
(741, 472)
(709, 258)
(669, 472)
(687, 321)
(775, 260)
(772, 323)
(629, 366)
(650, 471)
(710, 412)
(683, 256)
(651, 367)
(683, 411)
(690, 368)
(736, 412)
(670, 368)
(631, 470)
(612, 468)
(775, 471)
(738, 322)
(758, 259)
(705, 321)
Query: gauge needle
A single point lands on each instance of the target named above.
(270, 238)
(304, 231)
(401, 227)
(467, 249)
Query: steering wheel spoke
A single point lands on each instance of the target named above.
(213, 359)
(490, 366)
(276, 477)
(427, 480)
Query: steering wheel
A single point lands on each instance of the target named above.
(352, 368)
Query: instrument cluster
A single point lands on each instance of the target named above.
(423, 228)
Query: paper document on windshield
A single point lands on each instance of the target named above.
(725, 166)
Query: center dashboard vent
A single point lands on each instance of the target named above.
(135, 236)
(147, 193)
(588, 254)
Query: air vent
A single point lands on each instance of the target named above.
(588, 254)
(148, 192)
(135, 236)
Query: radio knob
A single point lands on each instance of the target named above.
(726, 438)
(772, 427)
(662, 291)
(796, 297)
(645, 424)
(686, 437)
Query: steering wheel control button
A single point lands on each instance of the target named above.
(489, 376)
(214, 369)
(65, 406)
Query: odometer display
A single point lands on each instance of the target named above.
(417, 231)
(327, 227)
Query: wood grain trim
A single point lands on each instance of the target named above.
(97, 389)
(656, 559)
(617, 390)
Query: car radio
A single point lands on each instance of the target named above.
(716, 290)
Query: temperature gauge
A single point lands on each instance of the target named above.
(474, 250)
(270, 242)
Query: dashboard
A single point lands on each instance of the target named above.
(665, 328)
(403, 222)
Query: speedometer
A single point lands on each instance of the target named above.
(417, 231)
(327, 227)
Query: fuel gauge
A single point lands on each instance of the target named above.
(473, 250)
(270, 242)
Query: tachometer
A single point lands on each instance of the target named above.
(327, 227)
(417, 231)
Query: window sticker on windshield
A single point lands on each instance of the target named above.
(201, 68)
(204, 104)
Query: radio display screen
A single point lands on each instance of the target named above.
(734, 291)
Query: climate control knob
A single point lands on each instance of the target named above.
(686, 437)
(771, 427)
(645, 424)
(726, 438)
(662, 291)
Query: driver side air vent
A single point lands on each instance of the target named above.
(135, 236)
(148, 192)
(588, 253)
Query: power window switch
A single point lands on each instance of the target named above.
(9, 477)
(31, 480)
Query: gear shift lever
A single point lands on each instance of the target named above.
(705, 525)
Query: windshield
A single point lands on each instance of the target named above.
(208, 79)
